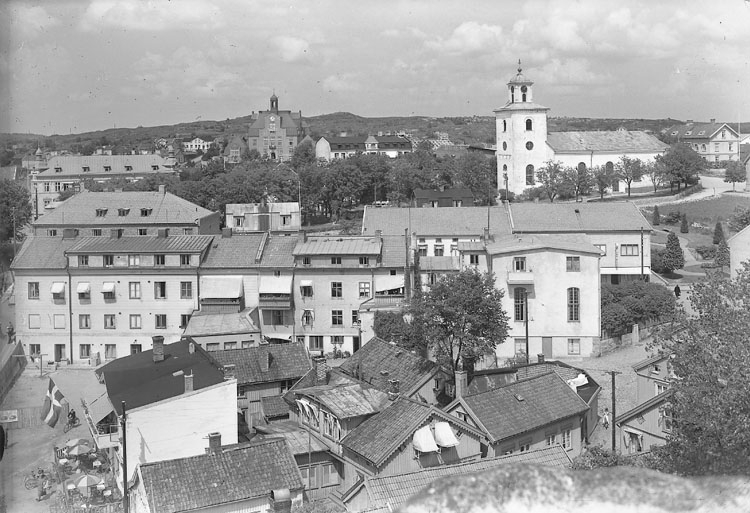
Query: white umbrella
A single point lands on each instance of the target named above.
(77, 441)
(86, 481)
(79, 449)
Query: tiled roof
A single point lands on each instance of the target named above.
(72, 165)
(616, 141)
(697, 130)
(203, 323)
(394, 251)
(395, 490)
(353, 140)
(286, 119)
(335, 245)
(143, 244)
(278, 251)
(378, 361)
(577, 217)
(347, 399)
(42, 253)
(273, 406)
(236, 251)
(642, 408)
(286, 361)
(445, 221)
(563, 370)
(528, 242)
(543, 400)
(300, 441)
(648, 361)
(166, 209)
(237, 473)
(138, 380)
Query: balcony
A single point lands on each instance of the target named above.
(521, 277)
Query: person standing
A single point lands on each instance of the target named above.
(605, 418)
(677, 291)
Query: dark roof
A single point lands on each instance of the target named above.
(577, 217)
(286, 361)
(278, 251)
(697, 130)
(139, 381)
(379, 361)
(274, 406)
(524, 406)
(447, 221)
(616, 141)
(565, 371)
(237, 473)
(143, 244)
(649, 361)
(42, 253)
(394, 251)
(644, 407)
(234, 251)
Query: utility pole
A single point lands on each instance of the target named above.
(125, 499)
(614, 409)
(643, 277)
(526, 319)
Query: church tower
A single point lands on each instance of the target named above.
(521, 136)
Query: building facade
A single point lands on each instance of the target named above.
(274, 133)
(715, 142)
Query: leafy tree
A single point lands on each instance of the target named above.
(634, 302)
(657, 172)
(460, 318)
(722, 254)
(67, 193)
(674, 258)
(710, 402)
(392, 327)
(478, 173)
(6, 157)
(681, 164)
(684, 227)
(602, 178)
(577, 180)
(629, 170)
(735, 172)
(14, 205)
(740, 219)
(656, 219)
(304, 155)
(550, 176)
(718, 233)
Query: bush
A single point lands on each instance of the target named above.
(506, 195)
(674, 217)
(684, 224)
(706, 252)
(657, 261)
(718, 233)
(656, 220)
(533, 193)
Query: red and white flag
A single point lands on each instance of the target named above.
(52, 407)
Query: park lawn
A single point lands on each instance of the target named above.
(706, 211)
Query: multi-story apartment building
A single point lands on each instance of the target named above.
(276, 133)
(713, 141)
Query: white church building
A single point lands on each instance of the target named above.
(524, 145)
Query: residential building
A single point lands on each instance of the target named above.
(275, 133)
(141, 213)
(715, 142)
(235, 150)
(342, 147)
(524, 144)
(196, 144)
(739, 250)
(248, 477)
(60, 173)
(442, 198)
(528, 414)
(391, 146)
(274, 217)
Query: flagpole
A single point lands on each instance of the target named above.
(125, 505)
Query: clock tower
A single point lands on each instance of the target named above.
(521, 136)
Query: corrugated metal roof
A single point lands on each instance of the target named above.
(617, 141)
(445, 221)
(143, 244)
(332, 245)
(202, 323)
(577, 217)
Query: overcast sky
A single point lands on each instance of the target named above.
(75, 66)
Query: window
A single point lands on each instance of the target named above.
(108, 291)
(110, 351)
(277, 317)
(307, 318)
(306, 261)
(212, 346)
(84, 350)
(33, 290)
(135, 348)
(363, 260)
(128, 168)
(474, 259)
(661, 387)
(331, 427)
(574, 346)
(239, 221)
(96, 232)
(230, 345)
(109, 321)
(337, 317)
(83, 260)
(306, 291)
(335, 260)
(716, 147)
(145, 212)
(84, 321)
(524, 445)
(184, 260)
(520, 346)
(355, 317)
(35, 321)
(142, 231)
(107, 169)
(602, 248)
(134, 260)
(336, 289)
(58, 186)
(529, 145)
(665, 418)
(161, 321)
(316, 342)
(439, 250)
(160, 290)
(530, 175)
(122, 212)
(134, 290)
(422, 249)
(58, 290)
(574, 304)
(51, 233)
(505, 126)
(184, 320)
(186, 290)
(109, 260)
(629, 250)
(573, 264)
(135, 321)
(565, 439)
(337, 340)
(730, 146)
(519, 303)
(551, 439)
(187, 231)
(519, 264)
(364, 289)
(154, 167)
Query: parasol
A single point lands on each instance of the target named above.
(77, 441)
(78, 450)
(86, 481)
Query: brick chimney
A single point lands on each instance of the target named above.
(228, 370)
(321, 369)
(540, 357)
(189, 382)
(158, 343)
(214, 443)
(462, 383)
(162, 189)
(394, 386)
(281, 501)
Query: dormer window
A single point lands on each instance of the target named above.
(145, 212)
(675, 132)
(101, 212)
(122, 212)
(702, 132)
(86, 169)
(58, 170)
(689, 132)
(154, 167)
(128, 168)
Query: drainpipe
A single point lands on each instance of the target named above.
(70, 306)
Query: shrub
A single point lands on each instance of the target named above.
(684, 224)
(657, 261)
(718, 233)
(656, 220)
(706, 252)
(674, 217)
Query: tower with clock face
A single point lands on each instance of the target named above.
(521, 136)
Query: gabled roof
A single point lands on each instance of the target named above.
(698, 130)
(237, 251)
(379, 436)
(166, 209)
(72, 165)
(350, 141)
(379, 361)
(300, 440)
(338, 245)
(445, 222)
(139, 381)
(523, 406)
(43, 253)
(274, 406)
(577, 217)
(519, 243)
(143, 244)
(649, 361)
(278, 251)
(521, 106)
(616, 142)
(642, 408)
(394, 251)
(236, 473)
(347, 400)
(392, 491)
(285, 361)
(204, 323)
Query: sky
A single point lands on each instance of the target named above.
(71, 66)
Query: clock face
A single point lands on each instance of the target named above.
(272, 118)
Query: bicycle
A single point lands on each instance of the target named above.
(71, 424)
(32, 480)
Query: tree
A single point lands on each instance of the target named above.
(740, 219)
(577, 180)
(684, 227)
(460, 318)
(735, 172)
(681, 164)
(656, 219)
(14, 205)
(722, 255)
(304, 154)
(718, 233)
(710, 402)
(657, 173)
(550, 176)
(629, 170)
(634, 302)
(674, 258)
(602, 177)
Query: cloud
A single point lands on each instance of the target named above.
(341, 82)
(292, 49)
(151, 15)
(29, 21)
(469, 37)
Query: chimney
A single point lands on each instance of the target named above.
(228, 370)
(281, 501)
(226, 232)
(265, 360)
(162, 189)
(302, 236)
(713, 120)
(158, 343)
(393, 389)
(321, 369)
(462, 383)
(540, 357)
(191, 347)
(189, 382)
(486, 234)
(214, 443)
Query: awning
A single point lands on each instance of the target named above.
(275, 285)
(305, 283)
(84, 287)
(444, 435)
(388, 282)
(221, 287)
(58, 287)
(423, 440)
(108, 287)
